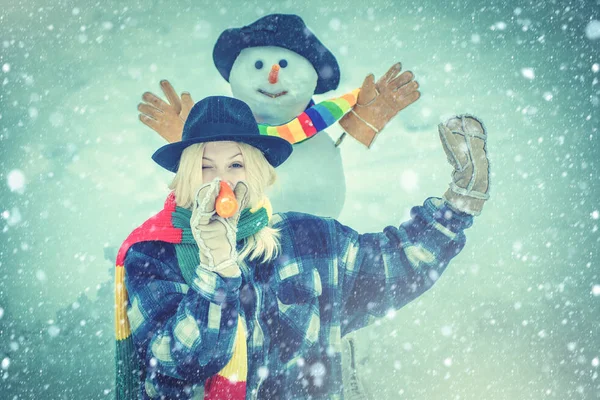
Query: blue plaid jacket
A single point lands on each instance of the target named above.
(327, 281)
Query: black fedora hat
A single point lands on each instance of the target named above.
(281, 30)
(220, 118)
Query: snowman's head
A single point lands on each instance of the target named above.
(276, 83)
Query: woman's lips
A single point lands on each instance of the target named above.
(272, 95)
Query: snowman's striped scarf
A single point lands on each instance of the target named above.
(313, 120)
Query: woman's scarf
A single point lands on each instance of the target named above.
(172, 225)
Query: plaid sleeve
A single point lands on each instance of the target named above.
(387, 270)
(182, 332)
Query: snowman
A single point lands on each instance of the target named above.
(276, 65)
(278, 84)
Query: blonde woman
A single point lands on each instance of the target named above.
(254, 306)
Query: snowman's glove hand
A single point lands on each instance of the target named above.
(166, 119)
(379, 102)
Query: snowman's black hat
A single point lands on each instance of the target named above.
(281, 30)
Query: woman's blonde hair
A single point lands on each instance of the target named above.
(260, 175)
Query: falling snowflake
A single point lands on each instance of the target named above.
(16, 181)
(592, 30)
(528, 73)
(53, 331)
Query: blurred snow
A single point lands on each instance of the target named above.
(523, 292)
(592, 30)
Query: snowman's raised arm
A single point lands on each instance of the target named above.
(166, 118)
(379, 102)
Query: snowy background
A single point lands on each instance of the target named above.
(514, 317)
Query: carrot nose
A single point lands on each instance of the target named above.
(274, 73)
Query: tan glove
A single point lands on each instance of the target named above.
(167, 119)
(379, 102)
(464, 140)
(215, 235)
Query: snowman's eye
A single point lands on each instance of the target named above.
(258, 64)
(283, 63)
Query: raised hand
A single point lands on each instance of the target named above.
(215, 235)
(464, 140)
(167, 119)
(379, 102)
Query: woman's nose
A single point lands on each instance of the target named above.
(274, 74)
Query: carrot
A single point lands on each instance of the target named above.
(226, 205)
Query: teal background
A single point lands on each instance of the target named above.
(516, 315)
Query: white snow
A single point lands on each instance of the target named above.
(6, 67)
(5, 363)
(500, 25)
(56, 119)
(409, 180)
(596, 290)
(517, 246)
(16, 181)
(391, 313)
(53, 331)
(542, 334)
(595, 214)
(528, 73)
(592, 30)
(335, 24)
(263, 372)
(40, 275)
(595, 67)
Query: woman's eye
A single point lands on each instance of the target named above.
(283, 63)
(206, 167)
(258, 64)
(237, 165)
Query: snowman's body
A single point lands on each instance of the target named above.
(312, 180)
(278, 85)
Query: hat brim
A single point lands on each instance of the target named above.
(232, 41)
(275, 149)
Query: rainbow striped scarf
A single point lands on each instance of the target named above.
(172, 225)
(313, 120)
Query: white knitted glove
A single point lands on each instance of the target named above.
(215, 235)
(464, 139)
